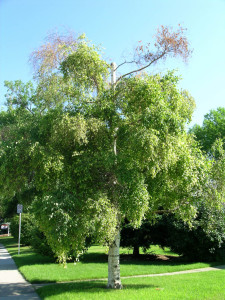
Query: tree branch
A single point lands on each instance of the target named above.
(28, 109)
(126, 62)
(142, 68)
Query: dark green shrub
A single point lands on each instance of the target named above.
(39, 242)
(204, 241)
(26, 227)
(30, 234)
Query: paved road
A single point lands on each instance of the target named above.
(12, 284)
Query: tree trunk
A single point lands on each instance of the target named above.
(136, 251)
(114, 281)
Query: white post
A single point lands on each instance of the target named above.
(113, 81)
(19, 235)
(19, 211)
(113, 73)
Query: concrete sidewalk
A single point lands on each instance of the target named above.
(12, 284)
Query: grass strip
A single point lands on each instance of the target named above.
(207, 285)
(37, 268)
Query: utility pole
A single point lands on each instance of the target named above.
(113, 81)
(113, 73)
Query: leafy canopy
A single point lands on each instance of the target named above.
(94, 155)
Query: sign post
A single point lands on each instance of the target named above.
(19, 211)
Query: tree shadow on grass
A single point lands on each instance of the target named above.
(31, 258)
(130, 259)
(94, 258)
(142, 259)
(27, 256)
(86, 287)
(8, 242)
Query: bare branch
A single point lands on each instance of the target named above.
(168, 43)
(142, 68)
(126, 62)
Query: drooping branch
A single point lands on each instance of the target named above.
(48, 57)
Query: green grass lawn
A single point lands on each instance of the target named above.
(196, 286)
(39, 269)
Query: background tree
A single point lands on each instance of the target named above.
(204, 241)
(213, 128)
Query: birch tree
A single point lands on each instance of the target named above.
(94, 151)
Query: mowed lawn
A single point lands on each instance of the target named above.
(196, 286)
(93, 265)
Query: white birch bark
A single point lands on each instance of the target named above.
(114, 281)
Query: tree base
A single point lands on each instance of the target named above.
(136, 251)
(115, 286)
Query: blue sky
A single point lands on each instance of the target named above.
(118, 25)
